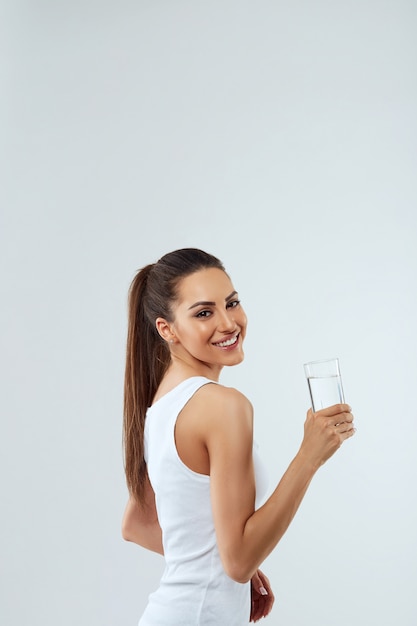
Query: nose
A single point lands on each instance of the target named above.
(227, 322)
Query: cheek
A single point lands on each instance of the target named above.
(241, 319)
(193, 335)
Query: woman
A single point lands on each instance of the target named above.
(194, 476)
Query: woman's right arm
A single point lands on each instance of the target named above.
(140, 522)
(245, 536)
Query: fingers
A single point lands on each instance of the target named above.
(341, 418)
(349, 431)
(262, 596)
(335, 415)
(344, 422)
(325, 431)
(335, 409)
(266, 583)
(261, 607)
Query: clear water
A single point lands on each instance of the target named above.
(325, 392)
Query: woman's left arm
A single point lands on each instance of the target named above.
(140, 522)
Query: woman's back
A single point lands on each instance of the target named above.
(194, 589)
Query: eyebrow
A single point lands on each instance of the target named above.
(207, 303)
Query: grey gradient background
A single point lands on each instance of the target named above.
(279, 136)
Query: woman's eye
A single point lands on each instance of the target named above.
(233, 304)
(203, 314)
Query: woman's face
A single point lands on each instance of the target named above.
(209, 323)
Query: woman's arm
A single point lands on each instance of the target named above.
(245, 536)
(140, 522)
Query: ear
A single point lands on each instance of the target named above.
(165, 329)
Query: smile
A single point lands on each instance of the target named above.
(228, 342)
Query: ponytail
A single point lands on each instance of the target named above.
(147, 358)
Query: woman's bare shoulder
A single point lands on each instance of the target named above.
(217, 391)
(221, 400)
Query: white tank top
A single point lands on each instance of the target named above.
(194, 589)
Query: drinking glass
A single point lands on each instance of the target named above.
(324, 383)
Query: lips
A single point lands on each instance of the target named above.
(227, 343)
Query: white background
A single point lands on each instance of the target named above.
(279, 136)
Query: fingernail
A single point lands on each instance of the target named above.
(263, 591)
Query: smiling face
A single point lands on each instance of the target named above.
(209, 324)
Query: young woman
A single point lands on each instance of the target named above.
(194, 476)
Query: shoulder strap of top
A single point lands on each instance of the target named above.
(188, 387)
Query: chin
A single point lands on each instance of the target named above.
(237, 360)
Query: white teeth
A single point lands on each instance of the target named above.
(229, 342)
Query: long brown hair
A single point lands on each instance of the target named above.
(151, 295)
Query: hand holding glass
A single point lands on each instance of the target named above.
(325, 383)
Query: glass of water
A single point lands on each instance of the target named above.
(325, 383)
